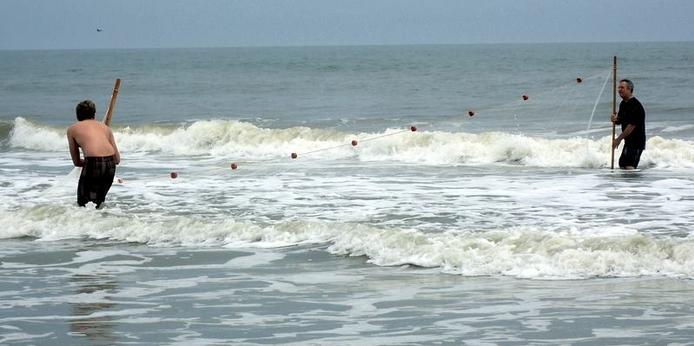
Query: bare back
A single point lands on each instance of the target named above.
(95, 139)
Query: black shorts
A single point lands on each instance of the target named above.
(630, 157)
(95, 180)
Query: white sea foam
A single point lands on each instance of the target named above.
(519, 252)
(21, 337)
(28, 135)
(244, 141)
(678, 128)
(488, 220)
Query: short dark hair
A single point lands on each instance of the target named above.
(629, 83)
(85, 110)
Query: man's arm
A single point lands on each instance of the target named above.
(74, 150)
(112, 140)
(627, 131)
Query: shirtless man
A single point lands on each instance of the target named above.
(100, 155)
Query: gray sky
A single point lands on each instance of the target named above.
(49, 24)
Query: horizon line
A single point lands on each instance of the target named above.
(345, 45)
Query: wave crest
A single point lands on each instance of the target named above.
(522, 252)
(244, 141)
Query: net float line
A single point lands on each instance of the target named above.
(471, 112)
(295, 155)
(525, 96)
(353, 143)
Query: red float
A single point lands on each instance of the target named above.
(413, 129)
(294, 155)
(471, 113)
(525, 97)
(234, 166)
(354, 142)
(174, 175)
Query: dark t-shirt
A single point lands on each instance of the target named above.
(632, 112)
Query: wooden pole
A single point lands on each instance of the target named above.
(614, 108)
(112, 104)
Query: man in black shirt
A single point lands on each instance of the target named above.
(632, 117)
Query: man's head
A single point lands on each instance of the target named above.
(85, 110)
(625, 89)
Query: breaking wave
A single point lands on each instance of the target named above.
(519, 252)
(245, 141)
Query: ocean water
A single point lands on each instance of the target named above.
(428, 202)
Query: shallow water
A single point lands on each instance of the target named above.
(506, 227)
(90, 292)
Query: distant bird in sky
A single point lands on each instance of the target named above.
(99, 30)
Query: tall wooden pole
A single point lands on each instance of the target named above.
(614, 108)
(112, 104)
